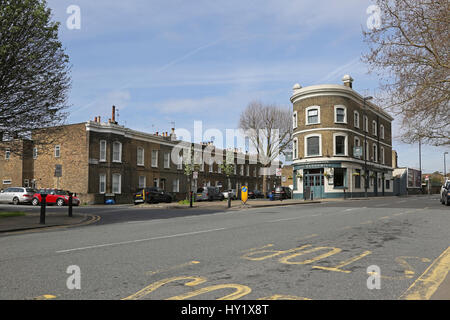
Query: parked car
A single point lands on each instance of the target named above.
(55, 196)
(445, 193)
(280, 193)
(152, 195)
(231, 193)
(17, 195)
(208, 194)
(255, 194)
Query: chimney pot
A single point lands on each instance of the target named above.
(348, 81)
(113, 119)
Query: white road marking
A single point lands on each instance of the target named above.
(139, 240)
(296, 218)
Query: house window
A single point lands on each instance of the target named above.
(375, 153)
(366, 124)
(357, 144)
(7, 154)
(142, 182)
(340, 114)
(176, 185)
(374, 127)
(295, 149)
(242, 170)
(57, 151)
(339, 177)
(313, 147)
(117, 152)
(294, 120)
(7, 182)
(366, 152)
(116, 183)
(312, 115)
(340, 145)
(248, 170)
(140, 156)
(210, 166)
(356, 119)
(166, 160)
(102, 183)
(156, 182)
(102, 151)
(180, 163)
(382, 155)
(35, 153)
(234, 168)
(382, 132)
(154, 158)
(358, 179)
(388, 184)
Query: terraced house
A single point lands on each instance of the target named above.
(100, 160)
(342, 143)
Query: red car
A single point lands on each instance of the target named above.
(54, 196)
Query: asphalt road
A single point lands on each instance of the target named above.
(315, 251)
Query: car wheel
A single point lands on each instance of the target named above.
(447, 203)
(16, 201)
(168, 200)
(35, 202)
(60, 202)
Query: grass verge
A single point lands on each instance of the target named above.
(7, 214)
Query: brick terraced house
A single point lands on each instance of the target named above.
(330, 157)
(100, 160)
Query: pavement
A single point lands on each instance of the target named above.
(31, 221)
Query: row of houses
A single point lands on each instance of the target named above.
(98, 160)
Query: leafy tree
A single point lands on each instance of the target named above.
(410, 52)
(34, 69)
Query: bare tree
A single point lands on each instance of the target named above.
(269, 129)
(34, 70)
(410, 51)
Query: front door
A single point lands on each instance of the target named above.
(314, 180)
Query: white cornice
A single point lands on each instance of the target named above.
(339, 90)
(340, 159)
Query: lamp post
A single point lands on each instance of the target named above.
(445, 168)
(365, 128)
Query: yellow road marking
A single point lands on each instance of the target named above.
(258, 248)
(386, 217)
(190, 263)
(332, 251)
(424, 287)
(344, 263)
(274, 253)
(152, 287)
(367, 222)
(45, 297)
(240, 291)
(308, 237)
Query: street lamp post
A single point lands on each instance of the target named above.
(365, 128)
(445, 168)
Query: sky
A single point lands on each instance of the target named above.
(178, 61)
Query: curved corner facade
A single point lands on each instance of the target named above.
(342, 144)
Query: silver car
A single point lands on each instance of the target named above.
(17, 195)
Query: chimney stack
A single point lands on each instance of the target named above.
(95, 120)
(113, 119)
(348, 81)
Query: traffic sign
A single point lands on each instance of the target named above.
(244, 194)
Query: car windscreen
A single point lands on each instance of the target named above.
(30, 190)
(200, 190)
(61, 192)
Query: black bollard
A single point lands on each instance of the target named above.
(70, 204)
(229, 199)
(190, 200)
(43, 204)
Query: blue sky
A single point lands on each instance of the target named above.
(180, 61)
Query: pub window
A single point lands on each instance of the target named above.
(313, 146)
(340, 114)
(339, 177)
(358, 179)
(340, 143)
(312, 115)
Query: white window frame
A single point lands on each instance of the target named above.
(306, 115)
(241, 170)
(295, 120)
(357, 145)
(166, 160)
(102, 155)
(306, 145)
(7, 154)
(176, 185)
(382, 157)
(295, 148)
(375, 152)
(144, 182)
(102, 176)
(119, 187)
(35, 153)
(57, 151)
(154, 159)
(141, 161)
(366, 123)
(339, 134)
(381, 131)
(7, 181)
(374, 128)
(367, 150)
(356, 119)
(119, 144)
(345, 114)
